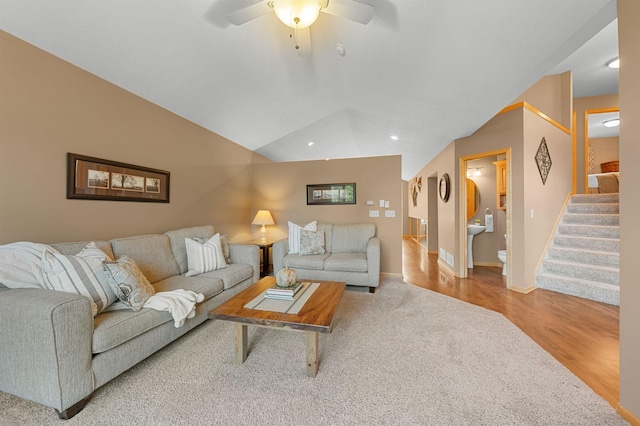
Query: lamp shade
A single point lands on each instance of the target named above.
(297, 13)
(263, 217)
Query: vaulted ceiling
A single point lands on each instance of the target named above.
(426, 71)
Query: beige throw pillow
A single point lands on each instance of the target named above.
(131, 286)
(311, 242)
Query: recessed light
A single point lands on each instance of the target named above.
(613, 63)
(611, 123)
(311, 143)
(394, 137)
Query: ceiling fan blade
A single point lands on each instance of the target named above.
(352, 10)
(304, 42)
(249, 13)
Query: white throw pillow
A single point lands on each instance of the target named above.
(82, 275)
(294, 234)
(205, 257)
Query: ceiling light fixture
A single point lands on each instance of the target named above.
(612, 123)
(613, 63)
(394, 137)
(298, 14)
(311, 143)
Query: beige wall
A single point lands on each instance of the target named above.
(281, 188)
(629, 40)
(551, 94)
(604, 150)
(49, 107)
(580, 105)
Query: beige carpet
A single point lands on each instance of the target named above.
(403, 355)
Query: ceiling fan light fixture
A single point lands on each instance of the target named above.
(298, 14)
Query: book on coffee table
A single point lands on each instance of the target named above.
(286, 293)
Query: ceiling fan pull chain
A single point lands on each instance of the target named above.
(296, 21)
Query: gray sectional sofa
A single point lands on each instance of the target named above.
(352, 256)
(56, 353)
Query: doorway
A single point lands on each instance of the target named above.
(500, 201)
(601, 148)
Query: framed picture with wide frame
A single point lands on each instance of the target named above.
(331, 194)
(91, 178)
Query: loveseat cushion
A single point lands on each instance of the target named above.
(152, 253)
(177, 236)
(231, 275)
(314, 261)
(351, 238)
(346, 262)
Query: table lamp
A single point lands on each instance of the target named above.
(263, 217)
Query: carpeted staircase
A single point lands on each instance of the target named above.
(584, 258)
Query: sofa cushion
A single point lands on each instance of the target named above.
(76, 247)
(152, 253)
(176, 237)
(79, 275)
(352, 238)
(314, 261)
(346, 262)
(231, 275)
(204, 257)
(115, 327)
(208, 286)
(131, 286)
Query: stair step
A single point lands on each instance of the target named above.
(611, 245)
(592, 219)
(593, 208)
(586, 289)
(602, 274)
(588, 257)
(597, 231)
(595, 198)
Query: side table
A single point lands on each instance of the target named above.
(264, 245)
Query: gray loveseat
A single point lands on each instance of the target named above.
(352, 256)
(56, 353)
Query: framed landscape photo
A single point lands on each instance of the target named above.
(91, 178)
(331, 193)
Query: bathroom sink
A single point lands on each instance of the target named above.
(475, 229)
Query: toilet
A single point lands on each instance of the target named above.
(502, 255)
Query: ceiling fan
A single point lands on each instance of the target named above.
(300, 14)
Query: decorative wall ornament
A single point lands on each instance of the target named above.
(415, 187)
(592, 166)
(543, 160)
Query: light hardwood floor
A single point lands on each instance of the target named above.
(581, 334)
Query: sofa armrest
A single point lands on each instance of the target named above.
(247, 254)
(45, 346)
(373, 261)
(280, 250)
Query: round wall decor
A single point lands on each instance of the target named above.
(445, 187)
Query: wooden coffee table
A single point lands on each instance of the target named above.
(316, 316)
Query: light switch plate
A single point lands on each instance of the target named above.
(374, 213)
(386, 204)
(381, 203)
(389, 213)
(369, 202)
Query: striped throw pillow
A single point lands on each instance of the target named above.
(204, 257)
(294, 234)
(79, 275)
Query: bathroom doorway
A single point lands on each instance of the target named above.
(486, 196)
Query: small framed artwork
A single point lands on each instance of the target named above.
(91, 178)
(331, 193)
